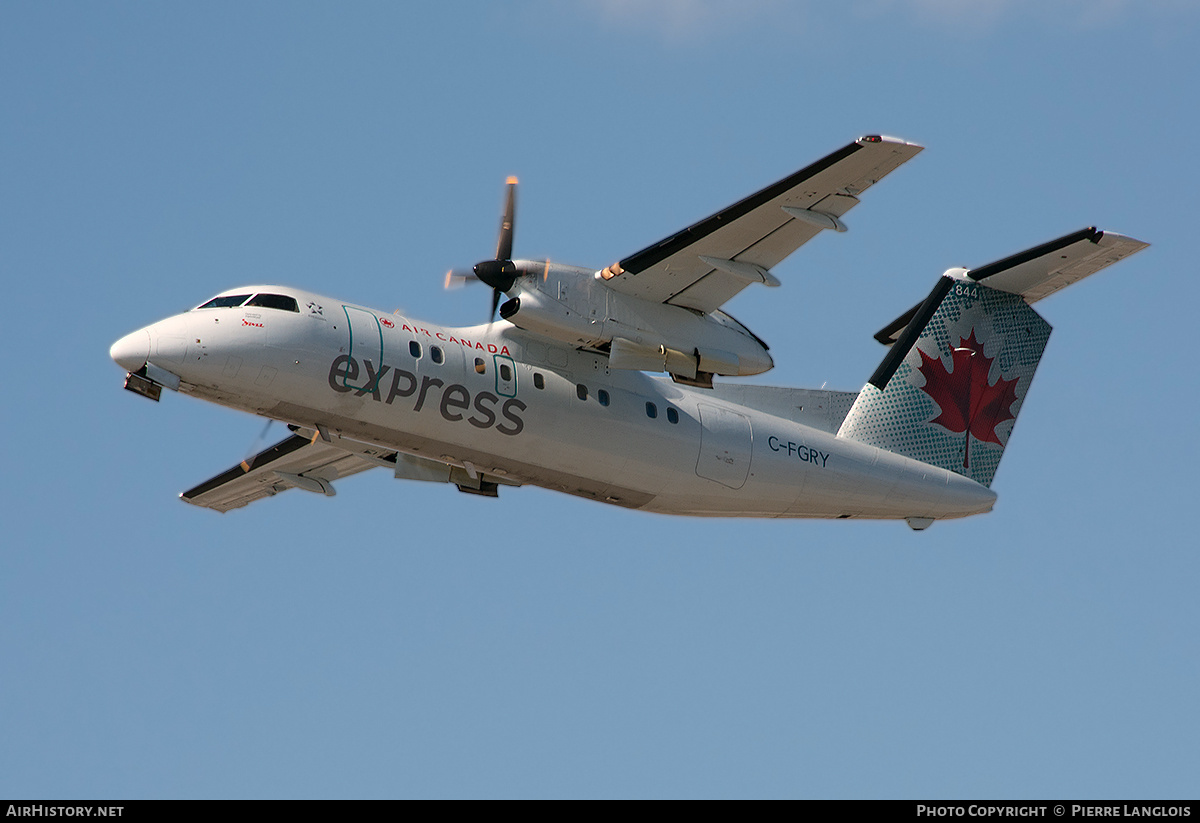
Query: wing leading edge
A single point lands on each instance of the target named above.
(709, 262)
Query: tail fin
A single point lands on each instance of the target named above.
(950, 390)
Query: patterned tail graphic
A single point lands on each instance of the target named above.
(951, 396)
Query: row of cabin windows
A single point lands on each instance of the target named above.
(435, 352)
(506, 372)
(539, 382)
(438, 356)
(672, 413)
(581, 391)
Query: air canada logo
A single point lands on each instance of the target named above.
(969, 404)
(387, 324)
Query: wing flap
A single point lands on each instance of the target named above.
(756, 230)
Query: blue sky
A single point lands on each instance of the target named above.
(402, 640)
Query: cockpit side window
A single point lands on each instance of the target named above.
(275, 301)
(226, 301)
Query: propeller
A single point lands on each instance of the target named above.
(255, 447)
(499, 273)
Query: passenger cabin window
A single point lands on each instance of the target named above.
(672, 415)
(480, 366)
(414, 348)
(275, 301)
(435, 354)
(228, 301)
(602, 396)
(505, 371)
(539, 382)
(581, 391)
(651, 411)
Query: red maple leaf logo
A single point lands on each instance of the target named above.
(968, 403)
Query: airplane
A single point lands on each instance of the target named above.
(625, 384)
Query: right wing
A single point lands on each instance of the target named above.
(297, 462)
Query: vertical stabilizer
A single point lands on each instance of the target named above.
(949, 391)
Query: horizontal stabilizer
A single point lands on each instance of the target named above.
(1038, 272)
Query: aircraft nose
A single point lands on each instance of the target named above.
(132, 350)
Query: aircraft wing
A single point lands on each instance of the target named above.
(296, 462)
(707, 263)
(1041, 271)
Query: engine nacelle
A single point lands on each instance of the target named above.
(535, 311)
(571, 305)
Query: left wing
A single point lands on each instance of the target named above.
(706, 264)
(297, 462)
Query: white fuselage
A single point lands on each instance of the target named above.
(495, 399)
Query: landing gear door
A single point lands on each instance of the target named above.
(365, 343)
(506, 375)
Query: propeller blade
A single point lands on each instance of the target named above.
(457, 278)
(256, 446)
(504, 246)
(500, 273)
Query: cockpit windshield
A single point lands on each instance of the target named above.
(262, 300)
(225, 302)
(275, 301)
